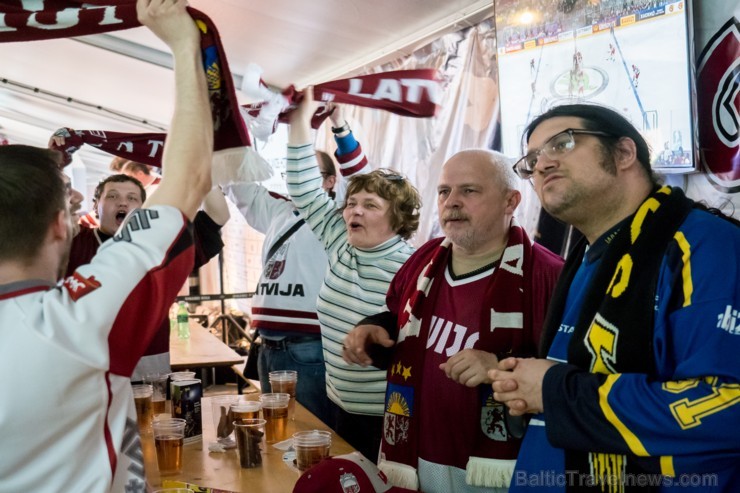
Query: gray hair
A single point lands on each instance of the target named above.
(508, 177)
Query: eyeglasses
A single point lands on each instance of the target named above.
(557, 146)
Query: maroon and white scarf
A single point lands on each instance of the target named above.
(49, 19)
(241, 165)
(404, 92)
(145, 148)
(505, 304)
(414, 93)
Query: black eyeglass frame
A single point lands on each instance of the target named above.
(526, 174)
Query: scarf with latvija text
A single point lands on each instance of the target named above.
(414, 93)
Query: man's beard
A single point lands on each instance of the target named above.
(576, 196)
(466, 240)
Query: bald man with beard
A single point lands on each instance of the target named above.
(457, 305)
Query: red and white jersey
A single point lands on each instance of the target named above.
(67, 416)
(285, 296)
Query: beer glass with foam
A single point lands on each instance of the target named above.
(143, 402)
(246, 410)
(275, 412)
(285, 381)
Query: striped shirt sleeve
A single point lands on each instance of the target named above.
(304, 186)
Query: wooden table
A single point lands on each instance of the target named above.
(203, 349)
(222, 470)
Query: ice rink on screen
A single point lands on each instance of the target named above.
(659, 97)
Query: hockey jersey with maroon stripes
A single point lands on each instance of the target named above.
(67, 418)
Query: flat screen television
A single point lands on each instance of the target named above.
(633, 56)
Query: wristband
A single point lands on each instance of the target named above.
(342, 129)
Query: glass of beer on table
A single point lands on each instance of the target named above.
(143, 402)
(159, 388)
(169, 434)
(311, 447)
(275, 412)
(246, 409)
(285, 381)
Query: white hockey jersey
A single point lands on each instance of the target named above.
(67, 416)
(285, 295)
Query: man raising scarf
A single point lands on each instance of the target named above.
(32, 21)
(455, 307)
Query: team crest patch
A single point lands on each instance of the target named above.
(276, 264)
(78, 286)
(492, 419)
(349, 484)
(717, 102)
(399, 404)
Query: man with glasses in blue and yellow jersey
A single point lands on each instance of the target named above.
(641, 339)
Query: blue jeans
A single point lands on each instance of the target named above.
(307, 358)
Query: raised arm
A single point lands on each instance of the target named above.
(186, 162)
(299, 132)
(349, 153)
(304, 178)
(216, 207)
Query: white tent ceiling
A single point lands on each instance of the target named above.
(128, 72)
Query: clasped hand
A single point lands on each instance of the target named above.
(517, 382)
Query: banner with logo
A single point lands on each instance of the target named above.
(717, 49)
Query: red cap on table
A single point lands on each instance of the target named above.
(351, 473)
